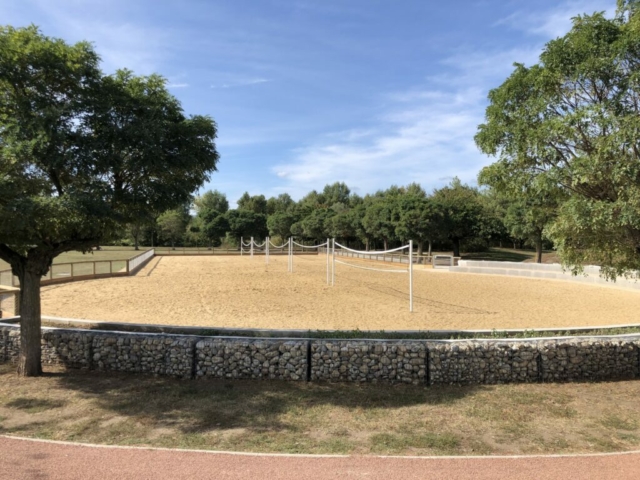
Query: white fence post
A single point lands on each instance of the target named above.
(251, 247)
(241, 245)
(266, 253)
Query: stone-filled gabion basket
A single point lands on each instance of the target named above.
(368, 361)
(466, 363)
(251, 358)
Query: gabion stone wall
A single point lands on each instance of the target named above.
(419, 362)
(10, 348)
(369, 361)
(70, 348)
(470, 362)
(157, 354)
(251, 358)
(592, 359)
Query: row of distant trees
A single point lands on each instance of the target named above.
(454, 217)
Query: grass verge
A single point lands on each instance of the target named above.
(321, 418)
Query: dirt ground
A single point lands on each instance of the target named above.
(230, 291)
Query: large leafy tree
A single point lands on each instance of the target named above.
(281, 203)
(461, 210)
(280, 222)
(315, 226)
(212, 200)
(419, 218)
(378, 220)
(211, 220)
(568, 128)
(247, 223)
(80, 155)
(256, 203)
(173, 225)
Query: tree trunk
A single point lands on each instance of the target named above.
(456, 247)
(136, 243)
(539, 249)
(429, 252)
(385, 244)
(29, 361)
(366, 243)
(420, 247)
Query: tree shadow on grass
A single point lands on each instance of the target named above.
(34, 405)
(197, 406)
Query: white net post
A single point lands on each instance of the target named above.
(411, 275)
(241, 245)
(251, 247)
(266, 252)
(289, 256)
(328, 248)
(333, 262)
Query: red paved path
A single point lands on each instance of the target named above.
(23, 459)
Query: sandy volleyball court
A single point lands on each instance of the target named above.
(229, 291)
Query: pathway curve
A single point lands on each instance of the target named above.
(32, 459)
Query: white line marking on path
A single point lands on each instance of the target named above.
(310, 455)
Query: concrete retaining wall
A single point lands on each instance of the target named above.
(418, 362)
(552, 271)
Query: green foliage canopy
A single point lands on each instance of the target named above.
(568, 128)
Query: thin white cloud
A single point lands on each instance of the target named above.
(427, 133)
(177, 85)
(141, 48)
(417, 142)
(242, 83)
(556, 22)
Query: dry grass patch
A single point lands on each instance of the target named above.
(321, 418)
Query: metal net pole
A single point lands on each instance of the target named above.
(411, 275)
(333, 263)
(328, 248)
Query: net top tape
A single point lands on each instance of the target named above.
(310, 246)
(279, 246)
(377, 252)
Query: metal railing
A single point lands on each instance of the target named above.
(77, 271)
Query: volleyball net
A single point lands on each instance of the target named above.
(330, 249)
(317, 248)
(371, 255)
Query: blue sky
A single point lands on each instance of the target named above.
(309, 92)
